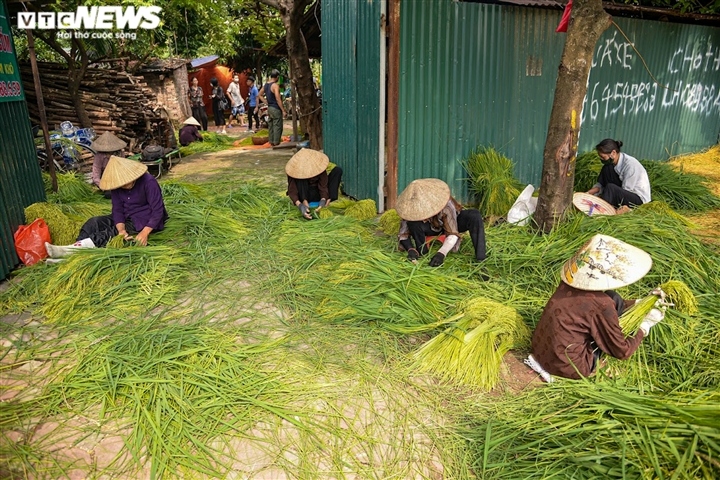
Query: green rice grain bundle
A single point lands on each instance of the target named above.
(492, 179)
(63, 230)
(471, 350)
(390, 222)
(680, 295)
(324, 213)
(72, 188)
(342, 203)
(677, 292)
(362, 210)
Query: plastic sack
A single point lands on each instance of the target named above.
(30, 241)
(523, 208)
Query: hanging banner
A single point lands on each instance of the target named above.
(10, 86)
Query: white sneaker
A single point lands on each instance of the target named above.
(60, 251)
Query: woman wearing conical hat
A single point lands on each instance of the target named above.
(581, 320)
(105, 146)
(308, 180)
(428, 210)
(189, 132)
(137, 209)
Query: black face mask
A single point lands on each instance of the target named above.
(609, 161)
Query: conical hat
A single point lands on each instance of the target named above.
(592, 205)
(107, 142)
(605, 263)
(121, 171)
(306, 164)
(422, 199)
(191, 121)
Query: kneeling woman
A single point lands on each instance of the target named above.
(308, 180)
(137, 209)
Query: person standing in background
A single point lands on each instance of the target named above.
(198, 105)
(236, 100)
(270, 94)
(252, 106)
(217, 94)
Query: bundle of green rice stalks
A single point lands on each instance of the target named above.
(587, 169)
(82, 211)
(342, 203)
(72, 187)
(362, 210)
(176, 192)
(390, 222)
(323, 213)
(96, 283)
(470, 351)
(181, 389)
(492, 180)
(63, 229)
(211, 142)
(682, 191)
(583, 430)
(677, 293)
(118, 241)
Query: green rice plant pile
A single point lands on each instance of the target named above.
(118, 241)
(362, 210)
(586, 430)
(341, 204)
(96, 283)
(492, 180)
(323, 213)
(212, 142)
(72, 187)
(81, 211)
(663, 208)
(247, 141)
(587, 169)
(678, 293)
(682, 191)
(178, 387)
(470, 350)
(63, 229)
(390, 222)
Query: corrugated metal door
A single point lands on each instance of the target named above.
(20, 179)
(474, 74)
(678, 114)
(351, 68)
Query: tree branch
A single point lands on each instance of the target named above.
(51, 42)
(271, 3)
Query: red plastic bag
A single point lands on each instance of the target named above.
(30, 241)
(565, 20)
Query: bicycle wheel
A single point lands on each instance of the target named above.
(57, 159)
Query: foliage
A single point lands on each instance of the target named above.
(707, 7)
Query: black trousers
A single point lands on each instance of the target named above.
(102, 229)
(218, 114)
(252, 113)
(200, 115)
(469, 220)
(613, 193)
(312, 194)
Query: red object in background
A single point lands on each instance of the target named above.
(224, 76)
(30, 241)
(565, 20)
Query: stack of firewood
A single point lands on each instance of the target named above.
(114, 100)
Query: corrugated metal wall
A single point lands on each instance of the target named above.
(351, 57)
(654, 122)
(478, 74)
(474, 74)
(20, 179)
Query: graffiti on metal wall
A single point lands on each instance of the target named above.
(699, 59)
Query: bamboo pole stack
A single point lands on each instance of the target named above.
(115, 101)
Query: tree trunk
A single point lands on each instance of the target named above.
(302, 75)
(588, 21)
(181, 83)
(75, 77)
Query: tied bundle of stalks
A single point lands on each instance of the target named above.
(390, 222)
(362, 210)
(342, 204)
(676, 292)
(323, 213)
(470, 351)
(73, 188)
(492, 179)
(63, 230)
(118, 241)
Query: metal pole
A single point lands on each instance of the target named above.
(41, 108)
(393, 101)
(382, 106)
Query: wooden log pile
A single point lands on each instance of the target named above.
(115, 101)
